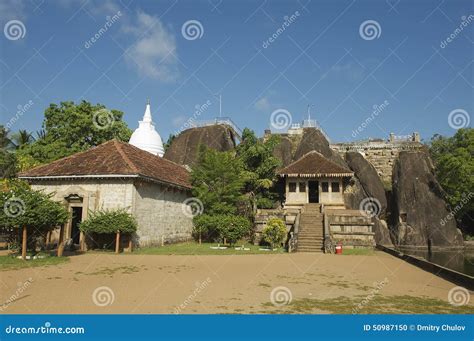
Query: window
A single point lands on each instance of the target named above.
(325, 186)
(292, 186)
(335, 186)
(302, 187)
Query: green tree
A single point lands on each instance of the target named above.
(218, 181)
(22, 138)
(110, 221)
(70, 128)
(274, 232)
(168, 143)
(8, 160)
(260, 166)
(454, 166)
(33, 211)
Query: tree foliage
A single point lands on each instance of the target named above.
(22, 206)
(109, 221)
(220, 226)
(218, 180)
(274, 232)
(260, 166)
(454, 166)
(70, 128)
(8, 160)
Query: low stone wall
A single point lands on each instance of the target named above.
(350, 228)
(263, 215)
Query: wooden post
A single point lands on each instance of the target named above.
(24, 243)
(117, 242)
(130, 244)
(60, 242)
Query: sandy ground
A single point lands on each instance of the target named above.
(206, 284)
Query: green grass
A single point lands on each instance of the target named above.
(11, 263)
(358, 252)
(192, 248)
(378, 305)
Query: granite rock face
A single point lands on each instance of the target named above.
(313, 139)
(418, 209)
(382, 232)
(370, 182)
(184, 149)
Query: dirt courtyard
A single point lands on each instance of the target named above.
(107, 283)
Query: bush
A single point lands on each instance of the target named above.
(275, 232)
(217, 227)
(109, 221)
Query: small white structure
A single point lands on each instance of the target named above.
(314, 179)
(146, 137)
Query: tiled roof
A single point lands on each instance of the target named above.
(110, 159)
(313, 164)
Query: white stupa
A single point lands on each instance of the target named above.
(146, 137)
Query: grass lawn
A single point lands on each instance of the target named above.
(193, 248)
(11, 263)
(379, 305)
(361, 252)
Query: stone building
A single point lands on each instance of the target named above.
(118, 175)
(314, 179)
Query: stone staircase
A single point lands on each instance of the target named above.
(311, 230)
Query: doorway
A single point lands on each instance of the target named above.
(313, 191)
(76, 220)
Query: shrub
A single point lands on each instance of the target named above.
(109, 221)
(275, 232)
(230, 227)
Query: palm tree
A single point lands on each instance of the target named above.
(5, 141)
(40, 134)
(22, 138)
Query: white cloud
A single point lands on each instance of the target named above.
(350, 70)
(12, 9)
(153, 54)
(262, 104)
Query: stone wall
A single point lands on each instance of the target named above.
(350, 228)
(160, 215)
(158, 209)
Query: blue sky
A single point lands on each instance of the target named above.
(322, 57)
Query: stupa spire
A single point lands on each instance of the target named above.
(145, 136)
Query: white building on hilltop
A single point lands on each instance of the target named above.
(146, 137)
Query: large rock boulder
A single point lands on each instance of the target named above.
(382, 232)
(419, 210)
(283, 151)
(184, 149)
(370, 182)
(314, 139)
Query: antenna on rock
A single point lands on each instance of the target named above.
(220, 104)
